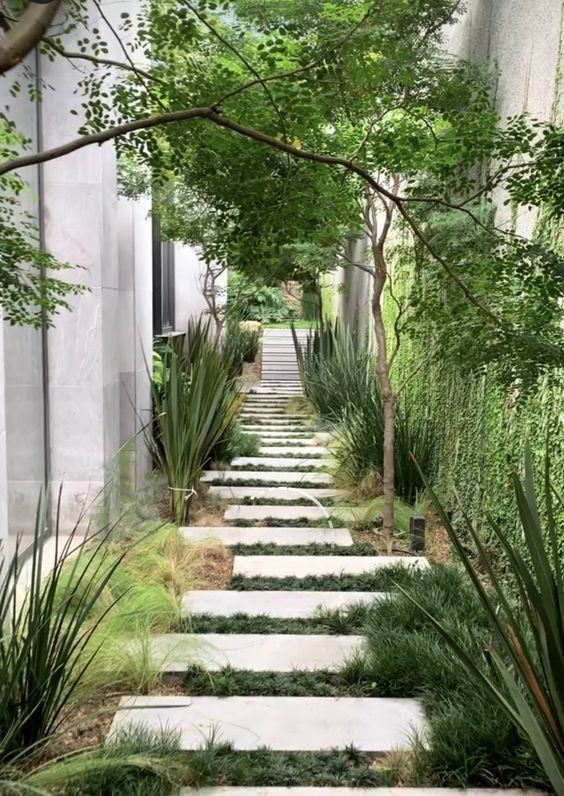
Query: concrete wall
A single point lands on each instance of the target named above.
(189, 275)
(98, 386)
(525, 41)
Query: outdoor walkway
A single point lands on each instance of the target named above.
(291, 464)
(279, 361)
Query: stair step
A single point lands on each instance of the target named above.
(303, 566)
(294, 436)
(276, 604)
(231, 535)
(240, 512)
(177, 652)
(273, 476)
(280, 427)
(283, 461)
(303, 450)
(272, 492)
(289, 724)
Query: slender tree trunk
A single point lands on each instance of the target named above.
(378, 241)
(388, 397)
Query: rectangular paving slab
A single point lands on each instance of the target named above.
(303, 566)
(271, 459)
(177, 652)
(282, 512)
(271, 476)
(277, 604)
(274, 456)
(297, 790)
(270, 492)
(230, 535)
(291, 724)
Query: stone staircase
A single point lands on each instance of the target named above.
(287, 461)
(279, 361)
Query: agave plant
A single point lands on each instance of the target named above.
(526, 611)
(46, 632)
(193, 411)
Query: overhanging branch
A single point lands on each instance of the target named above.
(26, 33)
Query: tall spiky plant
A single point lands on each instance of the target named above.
(193, 411)
(526, 611)
(45, 638)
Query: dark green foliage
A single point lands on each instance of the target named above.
(346, 622)
(248, 300)
(351, 681)
(222, 765)
(360, 549)
(471, 740)
(266, 468)
(44, 642)
(378, 581)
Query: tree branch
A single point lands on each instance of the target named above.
(94, 59)
(26, 33)
(212, 115)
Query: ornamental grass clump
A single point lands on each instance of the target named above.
(193, 411)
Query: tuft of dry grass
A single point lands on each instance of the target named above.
(300, 406)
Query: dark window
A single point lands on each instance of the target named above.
(163, 282)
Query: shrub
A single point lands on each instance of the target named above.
(193, 411)
(251, 301)
(239, 345)
(338, 371)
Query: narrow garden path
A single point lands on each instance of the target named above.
(268, 620)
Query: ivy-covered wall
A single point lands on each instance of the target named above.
(480, 430)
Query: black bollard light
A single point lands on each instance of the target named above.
(418, 527)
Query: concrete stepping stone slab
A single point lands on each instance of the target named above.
(231, 535)
(177, 652)
(280, 423)
(272, 476)
(270, 492)
(280, 512)
(281, 432)
(276, 604)
(297, 790)
(303, 566)
(289, 440)
(295, 451)
(273, 415)
(281, 461)
(290, 724)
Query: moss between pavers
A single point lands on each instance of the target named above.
(221, 765)
(381, 580)
(345, 622)
(353, 680)
(259, 483)
(271, 549)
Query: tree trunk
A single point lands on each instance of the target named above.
(388, 395)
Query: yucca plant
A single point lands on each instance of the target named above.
(338, 371)
(526, 612)
(198, 336)
(45, 635)
(193, 411)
